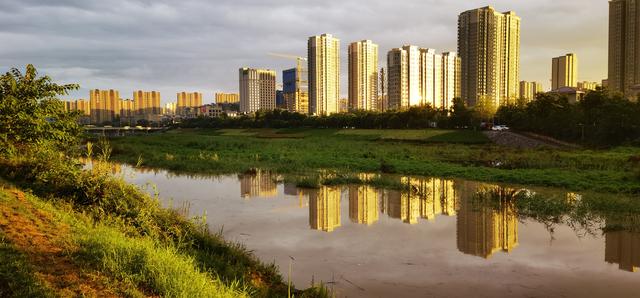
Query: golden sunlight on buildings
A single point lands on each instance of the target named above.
(324, 208)
(363, 204)
(227, 98)
(258, 184)
(623, 248)
(483, 230)
(427, 198)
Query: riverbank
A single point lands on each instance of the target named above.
(443, 153)
(71, 232)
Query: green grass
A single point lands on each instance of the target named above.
(444, 153)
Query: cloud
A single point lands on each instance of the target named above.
(198, 45)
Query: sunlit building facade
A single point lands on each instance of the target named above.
(451, 80)
(564, 71)
(295, 90)
(588, 86)
(104, 105)
(324, 208)
(363, 75)
(227, 98)
(403, 71)
(147, 102)
(324, 74)
(430, 78)
(624, 47)
(529, 90)
(257, 89)
(489, 48)
(186, 101)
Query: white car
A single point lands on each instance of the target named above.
(500, 127)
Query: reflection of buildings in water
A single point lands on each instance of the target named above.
(623, 248)
(290, 189)
(324, 208)
(363, 204)
(427, 198)
(482, 230)
(258, 184)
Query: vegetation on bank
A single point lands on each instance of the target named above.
(347, 152)
(602, 119)
(102, 230)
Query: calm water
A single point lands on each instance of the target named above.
(365, 242)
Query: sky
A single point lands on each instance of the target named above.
(199, 45)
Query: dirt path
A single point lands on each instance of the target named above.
(512, 139)
(45, 243)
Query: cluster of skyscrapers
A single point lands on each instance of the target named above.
(485, 67)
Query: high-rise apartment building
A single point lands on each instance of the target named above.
(227, 98)
(295, 90)
(450, 79)
(363, 75)
(489, 47)
(528, 90)
(257, 89)
(564, 71)
(104, 105)
(186, 101)
(429, 79)
(588, 86)
(324, 74)
(147, 102)
(624, 47)
(80, 105)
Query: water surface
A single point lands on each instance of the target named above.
(433, 241)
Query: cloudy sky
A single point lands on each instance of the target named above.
(198, 45)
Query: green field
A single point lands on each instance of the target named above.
(446, 153)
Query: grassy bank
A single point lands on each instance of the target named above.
(446, 153)
(108, 237)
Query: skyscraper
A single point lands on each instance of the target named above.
(430, 78)
(528, 90)
(489, 46)
(186, 100)
(363, 75)
(450, 79)
(564, 71)
(403, 71)
(146, 102)
(324, 74)
(104, 105)
(295, 89)
(624, 47)
(257, 89)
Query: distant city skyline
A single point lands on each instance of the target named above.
(198, 46)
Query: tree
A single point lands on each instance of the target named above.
(485, 108)
(31, 115)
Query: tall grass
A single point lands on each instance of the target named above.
(142, 261)
(17, 278)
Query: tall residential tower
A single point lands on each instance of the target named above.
(257, 89)
(324, 74)
(489, 46)
(624, 47)
(363, 75)
(564, 71)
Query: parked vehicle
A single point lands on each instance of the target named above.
(500, 127)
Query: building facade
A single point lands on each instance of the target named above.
(588, 86)
(363, 75)
(624, 47)
(104, 105)
(227, 98)
(295, 90)
(564, 71)
(489, 48)
(529, 90)
(403, 71)
(147, 103)
(450, 79)
(257, 89)
(187, 100)
(324, 74)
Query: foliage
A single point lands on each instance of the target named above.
(600, 119)
(31, 115)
